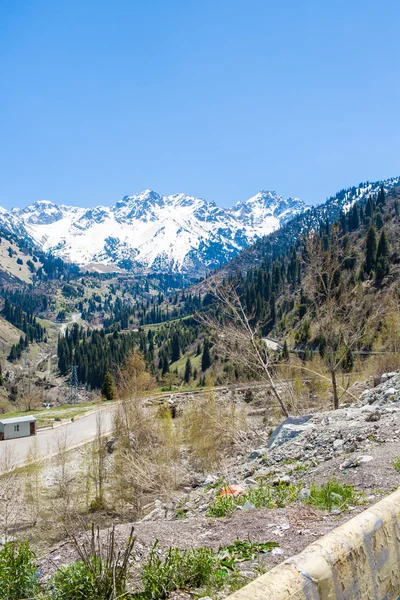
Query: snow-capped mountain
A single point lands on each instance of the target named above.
(176, 233)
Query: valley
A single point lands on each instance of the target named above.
(231, 415)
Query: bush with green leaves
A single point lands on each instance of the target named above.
(101, 572)
(18, 572)
(179, 568)
(198, 568)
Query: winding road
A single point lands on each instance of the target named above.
(77, 433)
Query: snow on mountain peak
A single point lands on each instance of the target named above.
(151, 231)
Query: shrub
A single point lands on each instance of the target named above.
(262, 496)
(333, 494)
(18, 572)
(99, 575)
(179, 569)
(210, 429)
(396, 464)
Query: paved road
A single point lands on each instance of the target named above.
(77, 433)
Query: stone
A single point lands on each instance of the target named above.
(281, 480)
(386, 376)
(289, 429)
(110, 445)
(304, 494)
(373, 416)
(247, 506)
(256, 454)
(390, 392)
(365, 458)
(338, 445)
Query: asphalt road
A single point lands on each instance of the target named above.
(76, 433)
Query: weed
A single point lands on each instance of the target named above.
(181, 513)
(18, 572)
(180, 568)
(223, 506)
(99, 575)
(262, 496)
(198, 568)
(333, 495)
(220, 483)
(301, 467)
(242, 550)
(396, 464)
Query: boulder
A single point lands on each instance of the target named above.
(289, 429)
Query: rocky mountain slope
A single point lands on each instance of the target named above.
(176, 233)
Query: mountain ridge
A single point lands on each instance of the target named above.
(149, 231)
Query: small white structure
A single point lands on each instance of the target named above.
(17, 427)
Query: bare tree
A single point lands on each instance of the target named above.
(98, 462)
(33, 481)
(64, 477)
(341, 311)
(237, 337)
(10, 491)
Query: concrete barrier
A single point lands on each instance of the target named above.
(359, 560)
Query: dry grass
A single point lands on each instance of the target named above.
(209, 429)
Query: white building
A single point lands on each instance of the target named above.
(17, 427)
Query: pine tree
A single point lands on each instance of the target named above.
(165, 366)
(370, 250)
(175, 350)
(285, 351)
(188, 371)
(382, 257)
(108, 389)
(354, 218)
(206, 358)
(272, 309)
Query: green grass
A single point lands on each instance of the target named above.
(396, 464)
(262, 496)
(17, 572)
(181, 363)
(334, 495)
(199, 569)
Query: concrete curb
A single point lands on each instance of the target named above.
(359, 560)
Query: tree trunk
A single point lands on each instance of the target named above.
(335, 390)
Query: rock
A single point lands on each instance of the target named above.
(256, 454)
(373, 416)
(349, 463)
(338, 445)
(209, 480)
(386, 376)
(154, 515)
(277, 551)
(289, 429)
(353, 462)
(304, 494)
(281, 480)
(247, 506)
(365, 458)
(110, 445)
(390, 392)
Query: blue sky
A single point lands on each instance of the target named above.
(214, 98)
